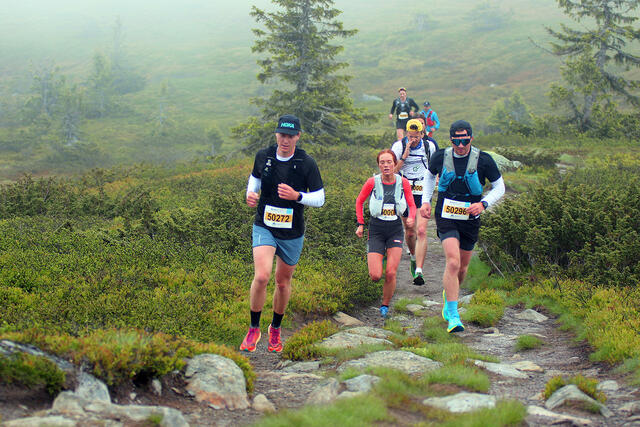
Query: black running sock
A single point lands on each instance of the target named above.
(255, 319)
(277, 320)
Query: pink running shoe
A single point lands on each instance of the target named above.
(250, 341)
(275, 343)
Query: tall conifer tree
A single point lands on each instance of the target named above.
(590, 79)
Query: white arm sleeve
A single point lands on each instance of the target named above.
(429, 186)
(314, 199)
(254, 184)
(496, 192)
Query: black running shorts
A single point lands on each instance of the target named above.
(465, 231)
(384, 235)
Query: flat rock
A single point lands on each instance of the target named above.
(349, 340)
(558, 418)
(91, 388)
(531, 315)
(572, 394)
(368, 331)
(325, 392)
(400, 318)
(49, 421)
(404, 361)
(527, 366)
(608, 386)
(349, 394)
(262, 404)
(631, 408)
(465, 299)
(303, 367)
(429, 303)
(217, 381)
(361, 383)
(346, 320)
(501, 369)
(462, 402)
(414, 308)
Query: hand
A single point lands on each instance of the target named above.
(390, 116)
(252, 199)
(475, 209)
(360, 230)
(287, 193)
(425, 210)
(410, 222)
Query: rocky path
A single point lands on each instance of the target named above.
(284, 385)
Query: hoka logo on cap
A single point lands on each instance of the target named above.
(287, 125)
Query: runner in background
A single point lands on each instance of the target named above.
(404, 109)
(433, 123)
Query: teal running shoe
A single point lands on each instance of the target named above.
(384, 311)
(455, 325)
(444, 306)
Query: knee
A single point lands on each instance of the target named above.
(283, 285)
(453, 265)
(422, 232)
(261, 279)
(390, 276)
(410, 232)
(375, 276)
(462, 270)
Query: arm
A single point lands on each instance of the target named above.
(434, 117)
(397, 150)
(367, 188)
(408, 195)
(427, 193)
(314, 199)
(496, 192)
(393, 108)
(413, 105)
(253, 187)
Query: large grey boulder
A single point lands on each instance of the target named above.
(361, 383)
(91, 388)
(325, 392)
(346, 320)
(404, 361)
(462, 402)
(350, 340)
(572, 394)
(217, 381)
(504, 164)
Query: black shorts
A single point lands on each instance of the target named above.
(417, 198)
(384, 235)
(401, 124)
(465, 231)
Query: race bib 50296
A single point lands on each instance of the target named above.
(278, 217)
(454, 209)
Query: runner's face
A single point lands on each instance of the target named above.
(461, 150)
(414, 137)
(385, 163)
(286, 143)
(403, 95)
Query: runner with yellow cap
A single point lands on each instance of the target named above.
(404, 108)
(414, 152)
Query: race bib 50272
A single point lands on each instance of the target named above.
(454, 209)
(278, 217)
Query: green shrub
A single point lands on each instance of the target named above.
(506, 413)
(449, 353)
(587, 385)
(301, 345)
(486, 308)
(463, 376)
(527, 342)
(31, 371)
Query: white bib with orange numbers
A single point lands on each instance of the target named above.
(403, 115)
(454, 209)
(416, 187)
(278, 217)
(388, 212)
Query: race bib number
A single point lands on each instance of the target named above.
(278, 217)
(403, 116)
(388, 212)
(453, 209)
(416, 187)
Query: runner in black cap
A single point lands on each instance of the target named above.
(404, 108)
(463, 170)
(287, 179)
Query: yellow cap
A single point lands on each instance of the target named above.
(414, 125)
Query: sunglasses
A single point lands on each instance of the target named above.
(464, 142)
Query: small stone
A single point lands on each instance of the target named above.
(414, 308)
(176, 390)
(559, 418)
(632, 408)
(132, 396)
(361, 383)
(531, 315)
(156, 387)
(302, 367)
(462, 402)
(539, 396)
(91, 388)
(608, 386)
(527, 366)
(465, 299)
(400, 318)
(325, 392)
(349, 340)
(346, 320)
(217, 381)
(24, 408)
(69, 403)
(571, 393)
(349, 394)
(368, 331)
(501, 369)
(404, 361)
(262, 404)
(516, 357)
(429, 303)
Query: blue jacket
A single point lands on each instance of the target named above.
(434, 117)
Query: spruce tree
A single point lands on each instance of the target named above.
(589, 74)
(303, 64)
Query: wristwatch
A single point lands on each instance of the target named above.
(485, 204)
(299, 197)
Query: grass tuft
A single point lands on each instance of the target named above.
(464, 376)
(486, 308)
(301, 345)
(400, 306)
(506, 413)
(527, 342)
(31, 371)
(449, 353)
(587, 385)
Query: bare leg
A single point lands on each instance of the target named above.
(400, 133)
(410, 235)
(450, 280)
(393, 260)
(282, 293)
(263, 265)
(421, 240)
(374, 261)
(465, 258)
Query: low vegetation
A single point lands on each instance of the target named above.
(31, 371)
(587, 385)
(527, 342)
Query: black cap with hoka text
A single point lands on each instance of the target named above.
(288, 124)
(458, 126)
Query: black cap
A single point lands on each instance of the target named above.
(289, 124)
(459, 126)
(426, 103)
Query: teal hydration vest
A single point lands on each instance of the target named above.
(470, 177)
(376, 200)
